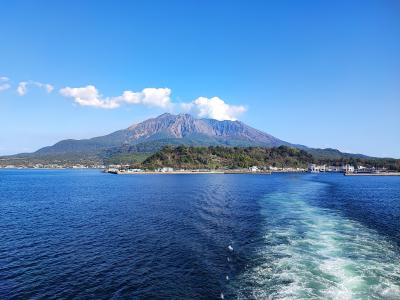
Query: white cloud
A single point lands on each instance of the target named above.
(203, 107)
(4, 85)
(90, 96)
(214, 108)
(157, 97)
(22, 88)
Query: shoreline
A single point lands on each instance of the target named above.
(187, 173)
(373, 174)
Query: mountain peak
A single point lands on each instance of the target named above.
(173, 129)
(184, 125)
(169, 115)
(164, 115)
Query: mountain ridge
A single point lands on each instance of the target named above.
(152, 134)
(168, 126)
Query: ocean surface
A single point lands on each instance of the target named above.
(82, 234)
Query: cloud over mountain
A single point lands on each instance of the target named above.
(156, 97)
(89, 95)
(214, 107)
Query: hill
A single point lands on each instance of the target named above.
(175, 129)
(227, 157)
(214, 157)
(138, 141)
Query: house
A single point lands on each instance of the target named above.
(165, 169)
(334, 169)
(362, 169)
(313, 168)
(348, 168)
(134, 170)
(253, 169)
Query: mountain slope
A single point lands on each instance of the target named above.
(173, 129)
(185, 126)
(151, 135)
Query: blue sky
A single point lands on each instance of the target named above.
(318, 73)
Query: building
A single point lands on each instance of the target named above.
(134, 170)
(165, 169)
(313, 168)
(348, 168)
(334, 169)
(362, 169)
(253, 169)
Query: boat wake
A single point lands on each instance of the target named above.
(313, 253)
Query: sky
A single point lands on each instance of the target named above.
(317, 73)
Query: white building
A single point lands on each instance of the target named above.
(313, 168)
(348, 168)
(253, 169)
(134, 170)
(334, 169)
(166, 170)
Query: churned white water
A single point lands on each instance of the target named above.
(309, 252)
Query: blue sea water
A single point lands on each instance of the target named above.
(79, 234)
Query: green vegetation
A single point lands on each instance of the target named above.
(200, 157)
(181, 141)
(215, 157)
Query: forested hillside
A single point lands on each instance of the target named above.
(227, 157)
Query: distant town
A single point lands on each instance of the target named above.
(346, 169)
(53, 166)
(222, 160)
(312, 168)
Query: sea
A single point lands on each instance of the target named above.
(84, 234)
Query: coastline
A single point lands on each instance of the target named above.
(187, 173)
(373, 174)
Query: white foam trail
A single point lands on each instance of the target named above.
(314, 253)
